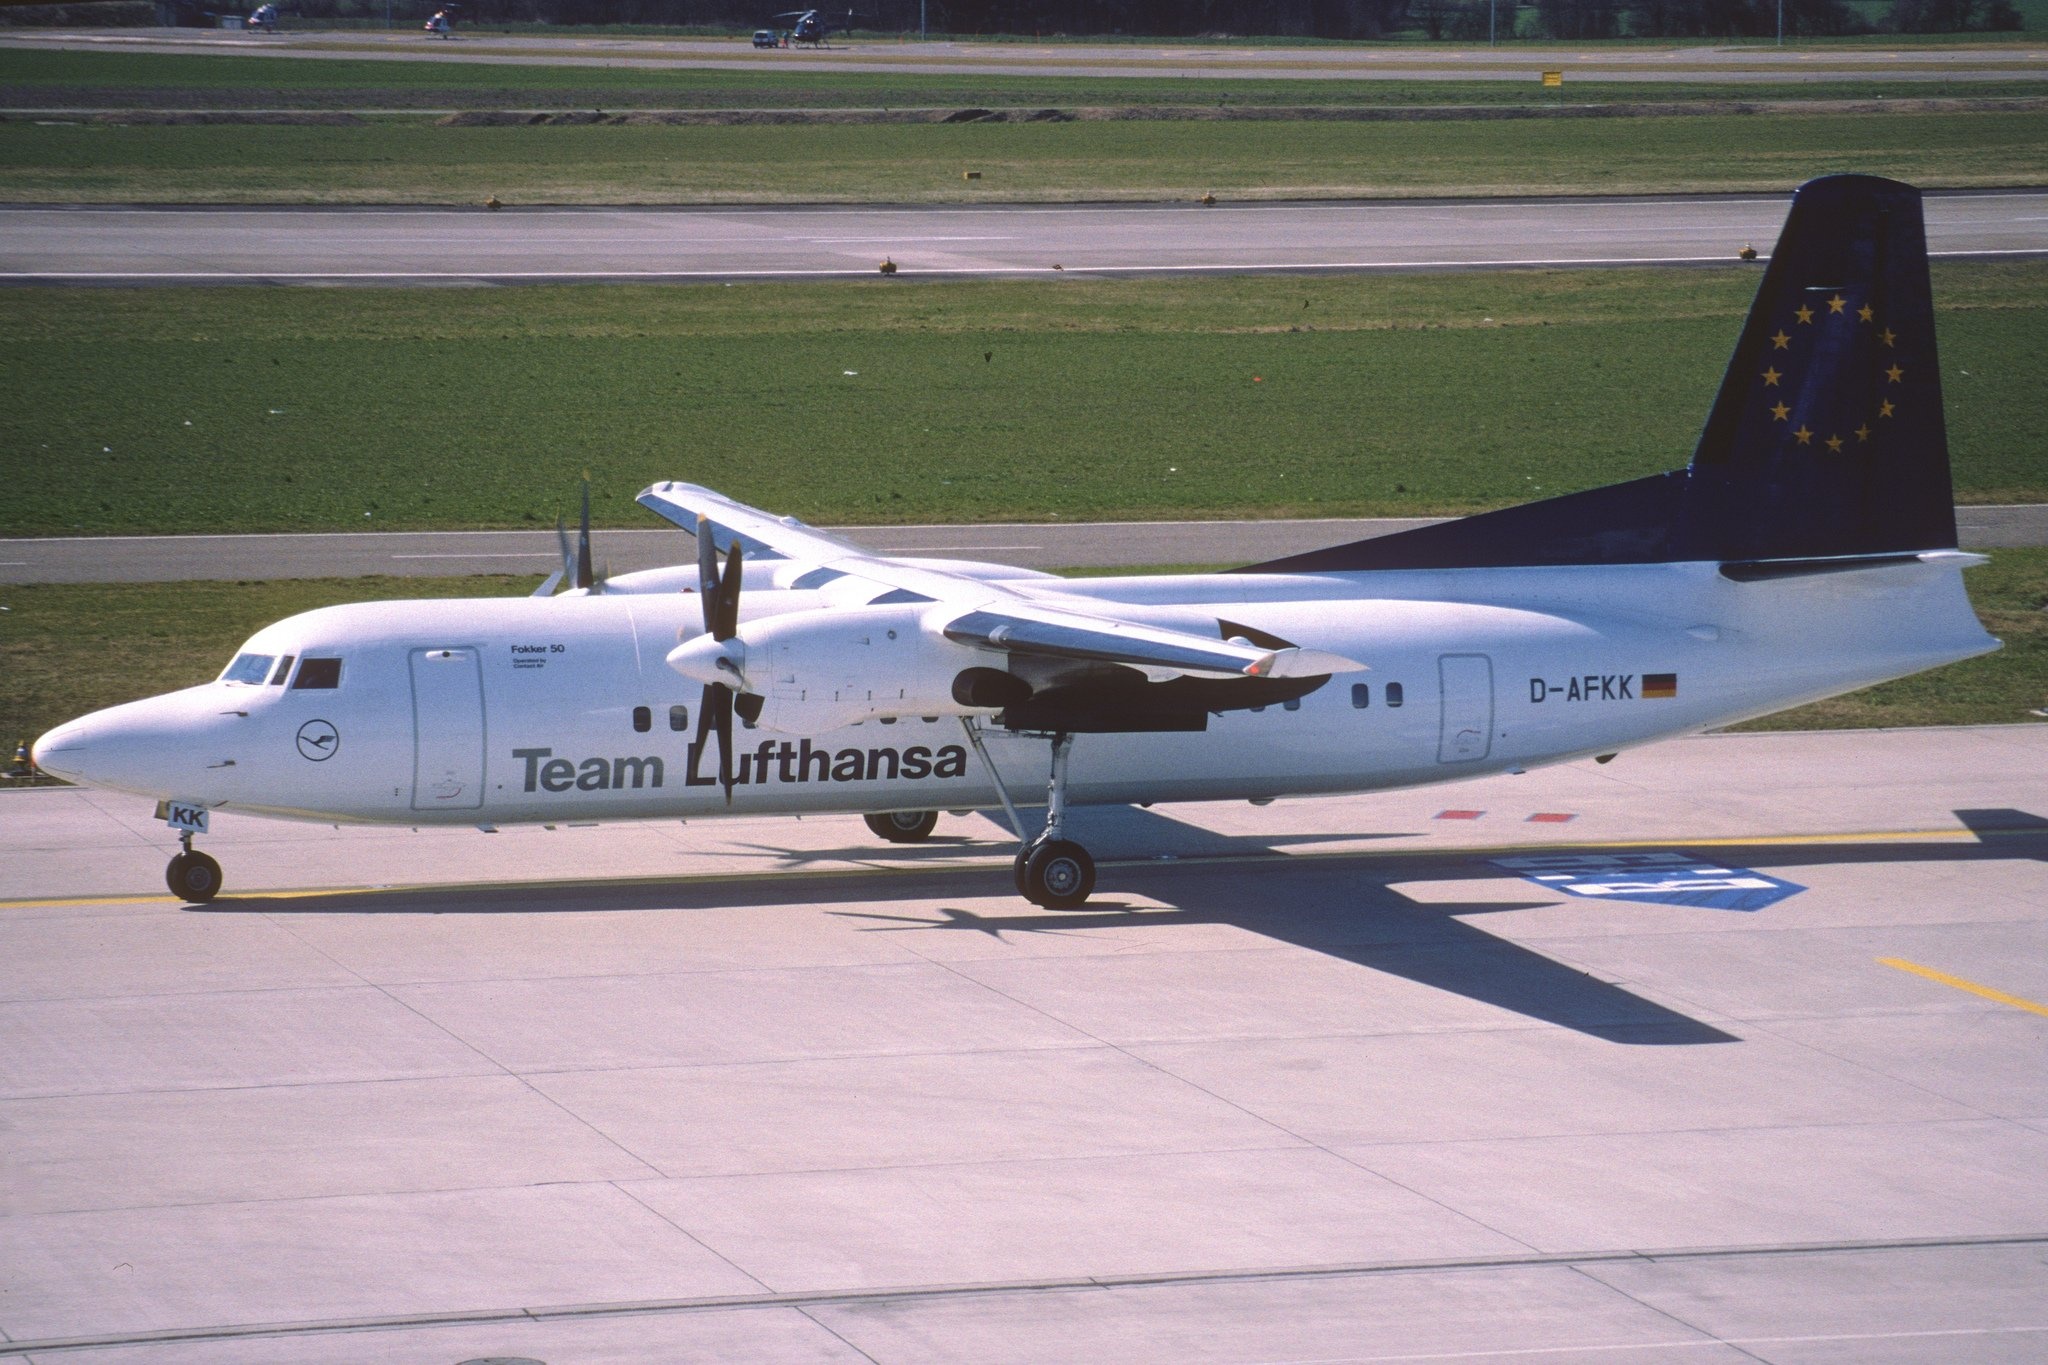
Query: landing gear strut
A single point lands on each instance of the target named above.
(192, 876)
(1053, 871)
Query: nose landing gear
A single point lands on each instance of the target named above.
(192, 876)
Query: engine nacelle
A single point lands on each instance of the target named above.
(817, 670)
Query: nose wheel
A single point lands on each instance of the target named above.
(192, 876)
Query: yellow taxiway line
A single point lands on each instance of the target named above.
(2017, 1002)
(973, 863)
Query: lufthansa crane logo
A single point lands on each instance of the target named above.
(318, 740)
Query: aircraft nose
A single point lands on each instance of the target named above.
(169, 746)
(63, 751)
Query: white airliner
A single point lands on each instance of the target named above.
(1807, 550)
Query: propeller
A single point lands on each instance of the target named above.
(720, 595)
(576, 571)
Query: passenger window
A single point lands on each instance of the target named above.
(1291, 704)
(643, 719)
(318, 674)
(248, 668)
(1393, 694)
(283, 670)
(1361, 695)
(678, 718)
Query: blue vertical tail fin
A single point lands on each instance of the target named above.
(1827, 436)
(1826, 440)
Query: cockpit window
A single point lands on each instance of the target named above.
(281, 672)
(248, 668)
(318, 673)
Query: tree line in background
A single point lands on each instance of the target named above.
(1448, 20)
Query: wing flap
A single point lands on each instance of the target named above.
(1070, 635)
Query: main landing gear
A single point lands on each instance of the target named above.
(192, 876)
(1051, 870)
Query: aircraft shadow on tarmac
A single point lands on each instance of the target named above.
(1340, 905)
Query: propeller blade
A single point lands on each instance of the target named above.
(718, 703)
(584, 577)
(707, 574)
(568, 573)
(725, 623)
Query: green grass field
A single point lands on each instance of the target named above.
(155, 81)
(137, 411)
(68, 649)
(409, 161)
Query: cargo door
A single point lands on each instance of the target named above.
(1467, 732)
(448, 729)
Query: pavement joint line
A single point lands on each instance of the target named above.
(935, 1293)
(985, 864)
(1962, 984)
(142, 279)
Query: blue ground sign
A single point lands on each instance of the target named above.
(1663, 878)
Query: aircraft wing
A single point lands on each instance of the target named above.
(977, 612)
(760, 535)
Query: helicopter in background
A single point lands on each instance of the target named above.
(813, 26)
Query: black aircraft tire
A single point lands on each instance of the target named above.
(1059, 875)
(904, 826)
(193, 878)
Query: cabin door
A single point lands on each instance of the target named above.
(448, 729)
(1467, 732)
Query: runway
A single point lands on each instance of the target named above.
(1692, 63)
(1329, 1079)
(134, 246)
(1031, 545)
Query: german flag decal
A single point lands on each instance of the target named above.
(1656, 685)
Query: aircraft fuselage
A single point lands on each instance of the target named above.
(560, 709)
